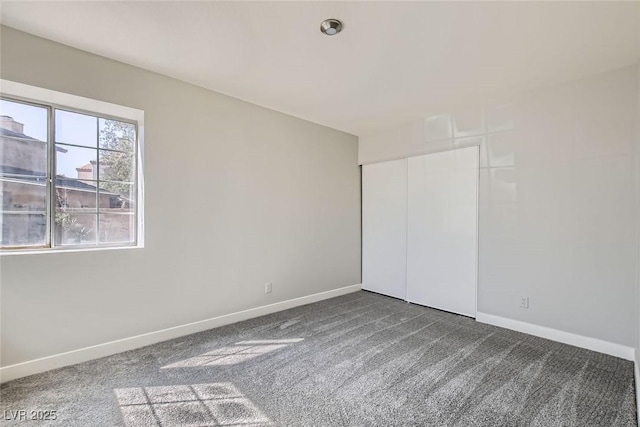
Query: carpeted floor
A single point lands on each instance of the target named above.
(357, 360)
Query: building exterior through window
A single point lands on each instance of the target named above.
(84, 196)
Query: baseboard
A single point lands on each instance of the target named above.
(31, 367)
(594, 344)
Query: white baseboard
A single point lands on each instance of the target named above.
(31, 367)
(594, 344)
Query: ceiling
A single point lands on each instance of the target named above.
(392, 63)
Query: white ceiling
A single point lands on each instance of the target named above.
(393, 62)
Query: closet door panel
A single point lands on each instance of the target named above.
(384, 228)
(442, 230)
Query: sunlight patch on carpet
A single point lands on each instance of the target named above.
(219, 404)
(238, 353)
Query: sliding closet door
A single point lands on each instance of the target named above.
(384, 227)
(442, 230)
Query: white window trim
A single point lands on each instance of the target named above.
(47, 96)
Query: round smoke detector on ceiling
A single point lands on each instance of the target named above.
(331, 27)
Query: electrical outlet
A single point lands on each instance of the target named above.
(524, 302)
(267, 288)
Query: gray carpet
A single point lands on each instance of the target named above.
(357, 360)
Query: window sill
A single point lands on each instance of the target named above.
(67, 250)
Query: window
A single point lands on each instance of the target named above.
(69, 178)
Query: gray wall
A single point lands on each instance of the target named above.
(236, 195)
(638, 231)
(558, 204)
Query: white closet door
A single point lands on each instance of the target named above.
(442, 239)
(384, 228)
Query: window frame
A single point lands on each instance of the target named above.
(52, 101)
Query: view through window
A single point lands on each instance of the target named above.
(67, 178)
